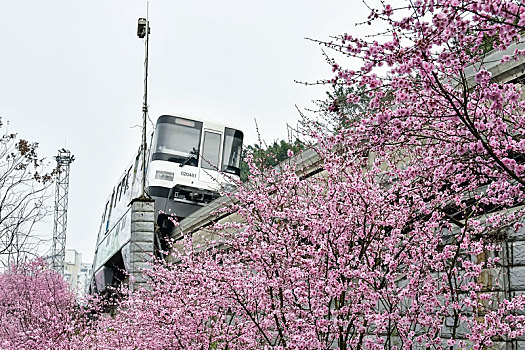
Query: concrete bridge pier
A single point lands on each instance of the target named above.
(138, 253)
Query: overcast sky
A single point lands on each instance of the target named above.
(72, 75)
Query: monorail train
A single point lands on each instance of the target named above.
(189, 162)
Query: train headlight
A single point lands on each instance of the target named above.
(163, 175)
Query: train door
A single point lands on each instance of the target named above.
(210, 156)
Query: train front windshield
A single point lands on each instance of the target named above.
(177, 140)
(231, 157)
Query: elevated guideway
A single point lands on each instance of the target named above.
(510, 71)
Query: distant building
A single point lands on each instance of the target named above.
(76, 273)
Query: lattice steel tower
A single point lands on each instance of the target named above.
(64, 159)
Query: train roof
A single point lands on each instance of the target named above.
(213, 122)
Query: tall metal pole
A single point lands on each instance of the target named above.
(144, 30)
(58, 250)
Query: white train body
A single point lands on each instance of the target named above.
(188, 163)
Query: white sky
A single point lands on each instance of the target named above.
(72, 75)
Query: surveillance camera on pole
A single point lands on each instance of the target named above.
(141, 28)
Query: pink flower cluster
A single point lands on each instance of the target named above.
(395, 244)
(37, 310)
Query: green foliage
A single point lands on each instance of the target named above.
(338, 110)
(337, 101)
(488, 43)
(269, 156)
(335, 107)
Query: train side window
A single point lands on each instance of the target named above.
(117, 195)
(136, 167)
(120, 185)
(231, 158)
(210, 150)
(127, 178)
(105, 212)
(106, 218)
(114, 198)
(109, 210)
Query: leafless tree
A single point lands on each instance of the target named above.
(24, 190)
